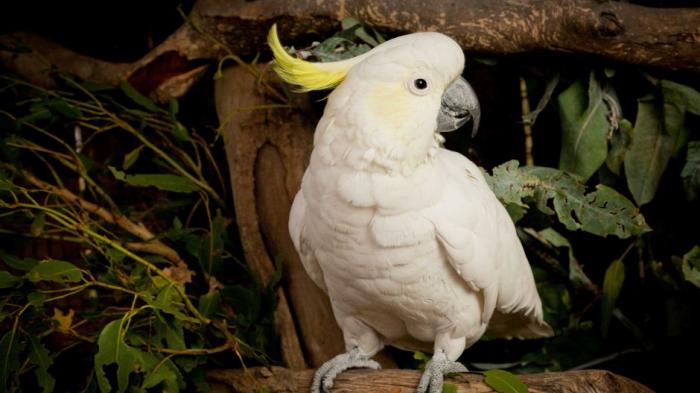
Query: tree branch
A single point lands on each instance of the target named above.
(180, 272)
(277, 379)
(660, 37)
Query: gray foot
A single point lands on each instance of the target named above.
(324, 376)
(435, 371)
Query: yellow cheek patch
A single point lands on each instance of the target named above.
(391, 103)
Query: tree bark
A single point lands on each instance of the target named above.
(659, 37)
(279, 380)
(267, 151)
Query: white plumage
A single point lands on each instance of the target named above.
(411, 245)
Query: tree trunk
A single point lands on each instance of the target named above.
(281, 380)
(267, 152)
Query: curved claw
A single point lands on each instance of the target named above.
(434, 375)
(325, 375)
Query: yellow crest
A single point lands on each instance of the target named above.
(308, 75)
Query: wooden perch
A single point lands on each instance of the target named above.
(660, 37)
(279, 380)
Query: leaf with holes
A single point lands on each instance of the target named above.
(504, 382)
(40, 357)
(602, 212)
(113, 350)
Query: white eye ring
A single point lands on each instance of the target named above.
(419, 86)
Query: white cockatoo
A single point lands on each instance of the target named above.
(411, 245)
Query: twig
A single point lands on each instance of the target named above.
(603, 359)
(153, 245)
(527, 127)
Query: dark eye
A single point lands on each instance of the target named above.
(420, 83)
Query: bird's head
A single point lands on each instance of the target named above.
(408, 86)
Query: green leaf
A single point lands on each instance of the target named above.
(18, 263)
(36, 299)
(65, 109)
(9, 358)
(602, 212)
(674, 108)
(180, 132)
(504, 382)
(165, 182)
(691, 266)
(56, 271)
(449, 388)
(691, 171)
(37, 227)
(421, 358)
(576, 273)
(131, 157)
(112, 349)
(7, 280)
(137, 97)
(167, 374)
(585, 125)
(212, 246)
(245, 302)
(612, 284)
(39, 356)
(173, 108)
(33, 118)
(649, 152)
(209, 303)
(168, 300)
(620, 142)
(169, 333)
(682, 94)
(349, 22)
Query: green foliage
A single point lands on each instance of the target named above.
(585, 124)
(691, 171)
(354, 40)
(649, 153)
(449, 388)
(165, 182)
(691, 266)
(56, 271)
(602, 212)
(504, 382)
(612, 284)
(154, 309)
(41, 358)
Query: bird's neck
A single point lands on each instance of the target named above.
(375, 150)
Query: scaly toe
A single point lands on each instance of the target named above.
(433, 377)
(325, 375)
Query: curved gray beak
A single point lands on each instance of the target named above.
(459, 104)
